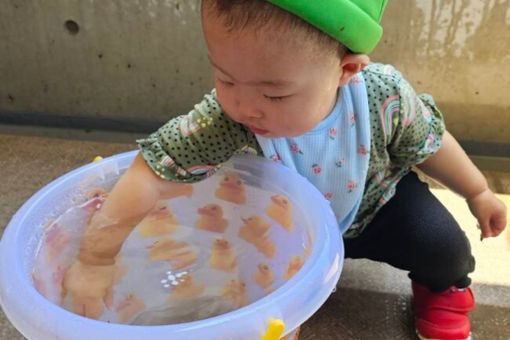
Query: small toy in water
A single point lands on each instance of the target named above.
(159, 221)
(294, 266)
(179, 254)
(280, 210)
(264, 275)
(99, 193)
(235, 291)
(211, 218)
(254, 231)
(95, 199)
(232, 189)
(185, 288)
(129, 307)
(223, 256)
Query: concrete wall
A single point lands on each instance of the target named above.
(459, 51)
(145, 59)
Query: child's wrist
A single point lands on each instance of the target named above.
(476, 186)
(476, 194)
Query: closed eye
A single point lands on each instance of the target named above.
(226, 82)
(276, 98)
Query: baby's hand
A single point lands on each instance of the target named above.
(490, 212)
(88, 287)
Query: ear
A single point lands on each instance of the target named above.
(350, 65)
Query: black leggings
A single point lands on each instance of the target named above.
(415, 232)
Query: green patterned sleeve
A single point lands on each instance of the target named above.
(191, 147)
(417, 130)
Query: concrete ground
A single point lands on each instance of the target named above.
(372, 301)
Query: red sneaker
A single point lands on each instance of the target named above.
(442, 316)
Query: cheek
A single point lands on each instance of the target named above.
(304, 113)
(308, 115)
(321, 104)
(293, 120)
(224, 98)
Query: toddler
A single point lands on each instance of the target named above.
(293, 82)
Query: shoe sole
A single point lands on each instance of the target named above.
(470, 337)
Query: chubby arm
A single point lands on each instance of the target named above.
(451, 166)
(134, 195)
(89, 281)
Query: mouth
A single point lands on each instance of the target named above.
(257, 130)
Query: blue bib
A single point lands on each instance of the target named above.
(334, 155)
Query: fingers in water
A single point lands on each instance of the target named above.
(94, 309)
(78, 306)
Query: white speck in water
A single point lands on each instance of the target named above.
(169, 273)
(164, 281)
(174, 283)
(171, 277)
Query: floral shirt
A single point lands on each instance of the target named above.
(405, 130)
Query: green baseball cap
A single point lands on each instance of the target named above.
(355, 23)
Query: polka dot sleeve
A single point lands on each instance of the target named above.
(191, 147)
(417, 128)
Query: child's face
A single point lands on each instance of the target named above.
(269, 81)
